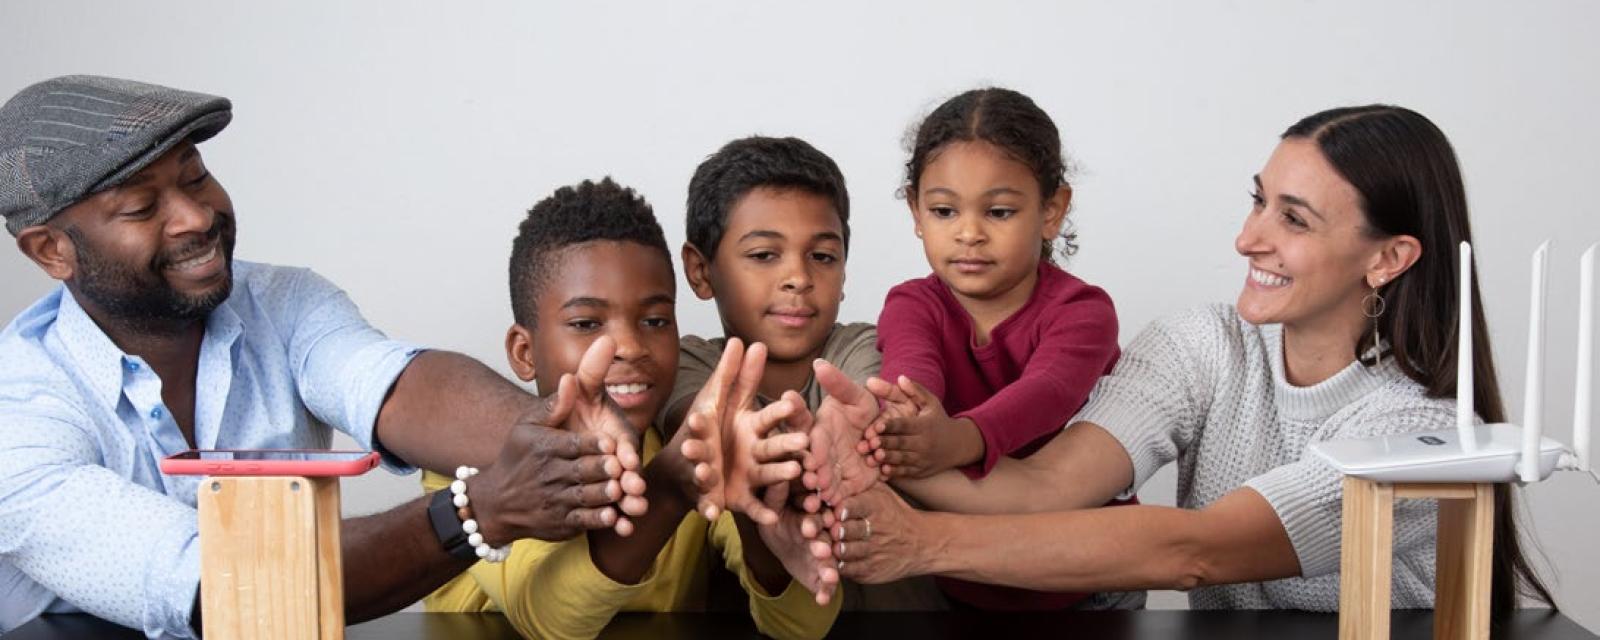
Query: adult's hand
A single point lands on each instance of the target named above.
(879, 538)
(548, 484)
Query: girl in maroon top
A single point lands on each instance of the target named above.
(993, 352)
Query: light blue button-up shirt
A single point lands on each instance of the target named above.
(87, 520)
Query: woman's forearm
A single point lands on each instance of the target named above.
(1084, 466)
(1237, 539)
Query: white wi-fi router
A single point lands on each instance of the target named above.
(1487, 452)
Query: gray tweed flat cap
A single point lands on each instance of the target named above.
(73, 136)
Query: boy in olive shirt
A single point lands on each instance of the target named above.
(768, 230)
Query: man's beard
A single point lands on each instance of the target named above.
(142, 299)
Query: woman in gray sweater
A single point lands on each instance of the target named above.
(1342, 330)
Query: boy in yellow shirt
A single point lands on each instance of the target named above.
(590, 266)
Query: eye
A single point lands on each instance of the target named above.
(141, 213)
(583, 325)
(824, 257)
(941, 211)
(1256, 201)
(762, 255)
(658, 322)
(199, 180)
(1001, 213)
(1293, 219)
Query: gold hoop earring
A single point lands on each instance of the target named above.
(1373, 307)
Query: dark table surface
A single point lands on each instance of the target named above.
(1110, 625)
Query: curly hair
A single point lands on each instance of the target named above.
(758, 161)
(572, 215)
(1011, 122)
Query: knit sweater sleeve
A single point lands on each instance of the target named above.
(1156, 398)
(1077, 344)
(1308, 494)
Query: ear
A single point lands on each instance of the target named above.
(697, 270)
(1395, 255)
(916, 220)
(519, 352)
(51, 249)
(1055, 211)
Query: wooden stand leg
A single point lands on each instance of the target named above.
(1464, 566)
(269, 558)
(1365, 563)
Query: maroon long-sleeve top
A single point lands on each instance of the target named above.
(1020, 388)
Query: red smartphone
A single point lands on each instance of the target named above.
(269, 462)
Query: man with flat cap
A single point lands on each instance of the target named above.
(158, 341)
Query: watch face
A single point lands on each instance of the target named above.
(447, 526)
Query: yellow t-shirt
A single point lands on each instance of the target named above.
(553, 589)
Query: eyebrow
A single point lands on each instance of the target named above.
(991, 192)
(586, 301)
(1293, 199)
(761, 233)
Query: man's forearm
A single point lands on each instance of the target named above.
(393, 559)
(447, 409)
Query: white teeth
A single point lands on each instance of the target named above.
(1267, 279)
(197, 260)
(626, 389)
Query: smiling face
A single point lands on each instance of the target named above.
(981, 218)
(158, 248)
(604, 288)
(778, 275)
(1311, 258)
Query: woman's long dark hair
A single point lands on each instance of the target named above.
(1410, 184)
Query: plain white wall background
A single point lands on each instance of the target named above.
(394, 146)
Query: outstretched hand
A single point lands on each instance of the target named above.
(838, 466)
(582, 407)
(920, 439)
(801, 543)
(732, 443)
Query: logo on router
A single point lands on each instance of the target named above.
(1431, 440)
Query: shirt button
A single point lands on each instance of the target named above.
(132, 366)
(156, 413)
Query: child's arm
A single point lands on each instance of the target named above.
(787, 612)
(1078, 344)
(909, 329)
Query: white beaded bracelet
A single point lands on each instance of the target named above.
(458, 497)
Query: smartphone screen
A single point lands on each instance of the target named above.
(271, 454)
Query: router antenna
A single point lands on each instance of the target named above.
(1533, 390)
(1583, 396)
(1464, 390)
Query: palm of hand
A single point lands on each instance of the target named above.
(838, 432)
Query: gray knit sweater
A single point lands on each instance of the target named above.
(1207, 389)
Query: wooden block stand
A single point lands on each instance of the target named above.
(269, 558)
(1464, 564)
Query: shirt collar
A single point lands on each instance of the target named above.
(99, 360)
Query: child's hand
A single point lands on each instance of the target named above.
(729, 441)
(800, 543)
(838, 466)
(925, 442)
(582, 407)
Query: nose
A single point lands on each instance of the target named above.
(1252, 239)
(969, 231)
(187, 215)
(630, 346)
(797, 274)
